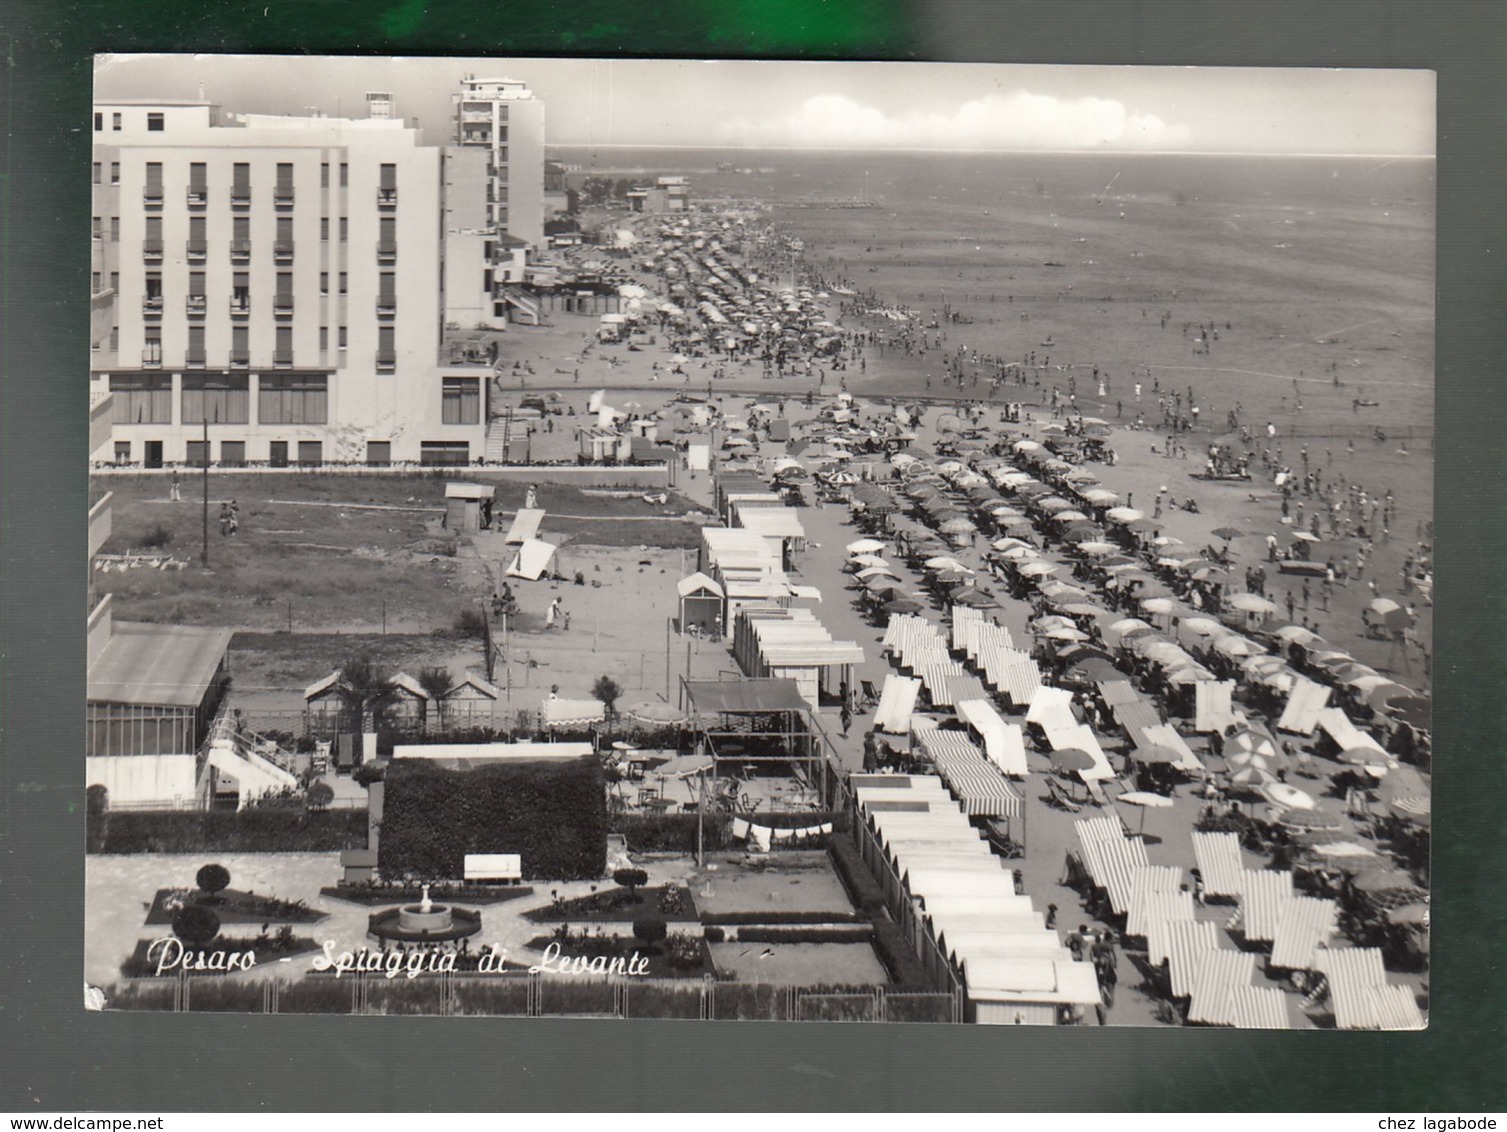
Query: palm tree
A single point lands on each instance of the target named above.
(439, 683)
(365, 688)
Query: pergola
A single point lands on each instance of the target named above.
(755, 722)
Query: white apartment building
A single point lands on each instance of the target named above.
(502, 117)
(303, 290)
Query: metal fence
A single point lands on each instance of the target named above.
(522, 994)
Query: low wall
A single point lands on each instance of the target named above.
(574, 475)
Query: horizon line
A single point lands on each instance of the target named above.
(950, 149)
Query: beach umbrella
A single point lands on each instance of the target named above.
(1410, 914)
(1067, 635)
(1099, 497)
(1072, 759)
(1082, 609)
(1202, 626)
(1145, 801)
(1095, 549)
(1297, 635)
(975, 598)
(1070, 516)
(1251, 776)
(1093, 670)
(1154, 755)
(958, 526)
(1237, 647)
(944, 562)
(1158, 605)
(1383, 880)
(859, 561)
(1026, 446)
(1124, 515)
(1036, 568)
(1336, 850)
(1417, 810)
(655, 712)
(1417, 711)
(1315, 820)
(1252, 603)
(876, 572)
(1227, 533)
(685, 766)
(903, 605)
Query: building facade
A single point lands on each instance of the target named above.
(288, 290)
(503, 118)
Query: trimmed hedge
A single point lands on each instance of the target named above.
(552, 812)
(673, 833)
(733, 919)
(253, 830)
(856, 934)
(899, 958)
(374, 894)
(863, 890)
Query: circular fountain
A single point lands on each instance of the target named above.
(425, 922)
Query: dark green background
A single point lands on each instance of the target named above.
(54, 1056)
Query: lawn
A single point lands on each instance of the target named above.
(800, 964)
(798, 882)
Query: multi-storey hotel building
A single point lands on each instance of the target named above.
(290, 290)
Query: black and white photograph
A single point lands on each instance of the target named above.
(879, 542)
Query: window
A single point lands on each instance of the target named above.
(152, 295)
(115, 121)
(195, 354)
(99, 173)
(282, 349)
(142, 398)
(282, 300)
(198, 183)
(240, 293)
(151, 195)
(94, 281)
(282, 247)
(218, 398)
(387, 240)
(387, 354)
(115, 281)
(99, 121)
(122, 447)
(115, 172)
(387, 294)
(97, 227)
(240, 238)
(232, 453)
(198, 453)
(283, 193)
(288, 398)
(310, 453)
(115, 229)
(345, 174)
(115, 338)
(156, 123)
(198, 242)
(460, 401)
(444, 453)
(196, 292)
(151, 246)
(240, 347)
(324, 228)
(344, 229)
(342, 338)
(343, 280)
(387, 191)
(378, 453)
(240, 183)
(324, 175)
(324, 282)
(151, 348)
(324, 339)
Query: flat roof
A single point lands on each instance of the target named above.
(160, 665)
(745, 696)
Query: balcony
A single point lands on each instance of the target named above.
(480, 114)
(240, 306)
(240, 196)
(470, 135)
(387, 198)
(194, 306)
(282, 359)
(198, 196)
(151, 306)
(387, 363)
(197, 250)
(282, 251)
(387, 252)
(477, 348)
(240, 251)
(151, 357)
(151, 197)
(282, 197)
(387, 307)
(282, 306)
(195, 360)
(151, 251)
(240, 360)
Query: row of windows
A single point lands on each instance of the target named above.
(240, 349)
(156, 121)
(240, 290)
(145, 398)
(310, 453)
(240, 175)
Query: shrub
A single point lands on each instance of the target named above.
(155, 537)
(863, 890)
(899, 957)
(213, 879)
(97, 818)
(649, 931)
(713, 934)
(367, 773)
(672, 833)
(196, 925)
(470, 623)
(254, 830)
(630, 879)
(319, 797)
(551, 812)
(685, 950)
(608, 691)
(780, 916)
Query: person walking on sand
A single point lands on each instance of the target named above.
(846, 716)
(175, 494)
(551, 613)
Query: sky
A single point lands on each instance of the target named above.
(862, 106)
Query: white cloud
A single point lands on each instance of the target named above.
(1019, 120)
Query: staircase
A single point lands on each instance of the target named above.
(503, 447)
(257, 765)
(524, 307)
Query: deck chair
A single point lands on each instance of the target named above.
(1060, 797)
(870, 695)
(1096, 792)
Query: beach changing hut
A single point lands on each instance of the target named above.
(701, 600)
(468, 506)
